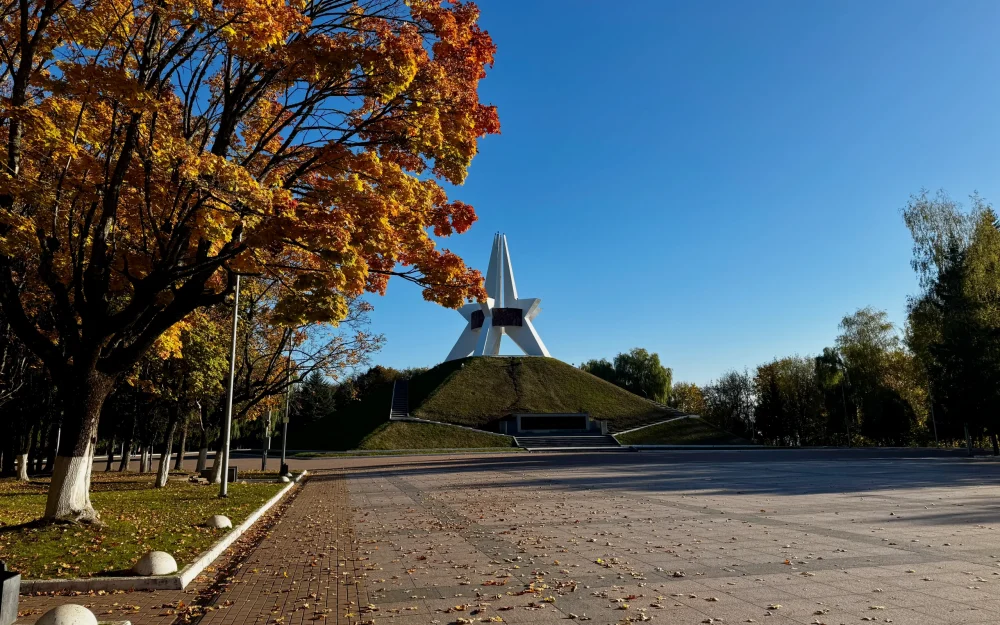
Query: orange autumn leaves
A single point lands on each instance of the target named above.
(298, 141)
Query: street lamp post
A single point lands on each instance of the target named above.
(266, 442)
(288, 404)
(228, 426)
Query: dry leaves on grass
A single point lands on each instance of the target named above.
(136, 518)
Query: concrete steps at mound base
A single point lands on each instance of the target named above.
(569, 442)
(400, 400)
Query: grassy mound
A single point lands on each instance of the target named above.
(692, 431)
(410, 435)
(478, 392)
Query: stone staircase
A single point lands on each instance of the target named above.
(595, 442)
(400, 400)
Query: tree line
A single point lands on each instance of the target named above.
(173, 401)
(319, 396)
(866, 389)
(936, 380)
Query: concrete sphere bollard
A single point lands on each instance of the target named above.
(68, 614)
(285, 479)
(219, 521)
(155, 563)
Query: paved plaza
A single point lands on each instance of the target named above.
(689, 537)
(791, 537)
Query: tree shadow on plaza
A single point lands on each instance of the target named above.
(779, 472)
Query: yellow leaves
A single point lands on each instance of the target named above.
(332, 212)
(169, 344)
(19, 236)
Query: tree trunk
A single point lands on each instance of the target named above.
(35, 453)
(22, 453)
(202, 453)
(126, 456)
(22, 467)
(163, 470)
(69, 492)
(8, 451)
(996, 444)
(203, 448)
(217, 464)
(111, 455)
(179, 465)
(54, 441)
(144, 459)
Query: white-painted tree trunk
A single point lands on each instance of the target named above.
(163, 470)
(22, 467)
(202, 458)
(69, 493)
(217, 468)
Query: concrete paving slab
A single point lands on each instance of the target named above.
(830, 540)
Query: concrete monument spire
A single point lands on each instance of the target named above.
(503, 312)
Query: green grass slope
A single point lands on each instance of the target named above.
(410, 435)
(478, 392)
(693, 431)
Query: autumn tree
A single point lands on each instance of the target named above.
(188, 366)
(153, 151)
(687, 397)
(273, 356)
(881, 377)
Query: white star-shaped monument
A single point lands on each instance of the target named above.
(503, 312)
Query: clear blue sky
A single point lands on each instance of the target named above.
(719, 182)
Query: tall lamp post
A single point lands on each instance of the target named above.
(266, 441)
(228, 426)
(288, 404)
